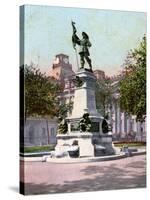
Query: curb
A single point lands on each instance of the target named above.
(80, 160)
(36, 154)
(138, 153)
(85, 160)
(31, 159)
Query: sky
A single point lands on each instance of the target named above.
(48, 32)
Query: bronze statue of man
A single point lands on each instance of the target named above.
(84, 44)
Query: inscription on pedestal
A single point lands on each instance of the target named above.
(94, 127)
(75, 126)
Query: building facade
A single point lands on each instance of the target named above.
(63, 73)
(40, 131)
(124, 125)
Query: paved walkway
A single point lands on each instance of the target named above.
(43, 177)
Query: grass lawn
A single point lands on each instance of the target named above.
(129, 144)
(38, 149)
(52, 147)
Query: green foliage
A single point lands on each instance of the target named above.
(41, 96)
(38, 149)
(133, 86)
(130, 144)
(40, 93)
(104, 95)
(63, 110)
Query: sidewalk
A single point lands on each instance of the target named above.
(47, 177)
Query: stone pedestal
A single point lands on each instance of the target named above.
(103, 141)
(106, 141)
(84, 102)
(85, 144)
(84, 99)
(86, 148)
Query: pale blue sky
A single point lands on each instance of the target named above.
(48, 32)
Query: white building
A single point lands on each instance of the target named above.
(125, 126)
(40, 131)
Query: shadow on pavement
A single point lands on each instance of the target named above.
(108, 178)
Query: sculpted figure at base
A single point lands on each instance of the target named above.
(85, 123)
(84, 44)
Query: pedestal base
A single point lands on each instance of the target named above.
(103, 145)
(86, 148)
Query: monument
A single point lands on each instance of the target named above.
(85, 126)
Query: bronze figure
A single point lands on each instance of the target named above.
(84, 44)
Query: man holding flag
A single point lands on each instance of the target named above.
(84, 44)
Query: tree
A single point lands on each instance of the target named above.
(40, 93)
(104, 96)
(41, 96)
(133, 85)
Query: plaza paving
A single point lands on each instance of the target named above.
(46, 177)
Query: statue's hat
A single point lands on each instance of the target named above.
(85, 35)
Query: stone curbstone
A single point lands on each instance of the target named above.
(79, 160)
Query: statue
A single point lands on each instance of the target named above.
(62, 126)
(106, 125)
(77, 81)
(85, 123)
(84, 44)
